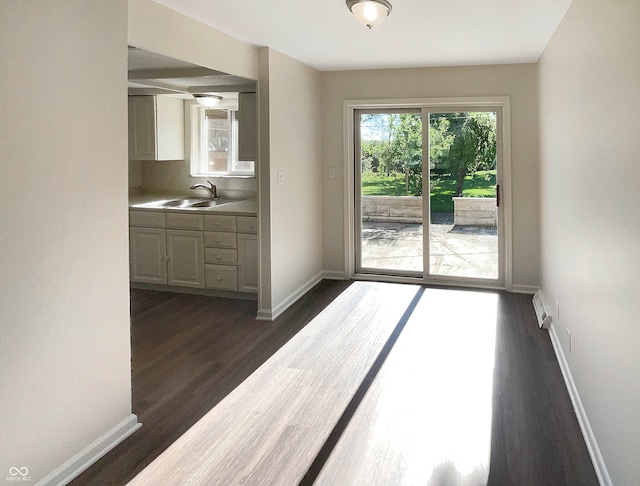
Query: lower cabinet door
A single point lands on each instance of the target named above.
(247, 263)
(147, 259)
(185, 253)
(221, 277)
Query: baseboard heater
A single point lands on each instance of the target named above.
(544, 319)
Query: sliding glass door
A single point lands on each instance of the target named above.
(389, 183)
(443, 163)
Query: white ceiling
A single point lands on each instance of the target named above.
(418, 33)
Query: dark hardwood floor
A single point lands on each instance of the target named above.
(189, 352)
(536, 439)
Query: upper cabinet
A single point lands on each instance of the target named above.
(247, 116)
(156, 128)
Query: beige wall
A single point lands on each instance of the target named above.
(292, 145)
(173, 177)
(135, 174)
(590, 216)
(264, 186)
(164, 31)
(516, 81)
(65, 376)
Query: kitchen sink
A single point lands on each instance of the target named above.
(181, 203)
(172, 203)
(209, 203)
(185, 203)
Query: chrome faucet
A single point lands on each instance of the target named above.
(213, 190)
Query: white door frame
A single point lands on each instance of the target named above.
(430, 104)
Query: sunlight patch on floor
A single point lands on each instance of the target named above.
(427, 417)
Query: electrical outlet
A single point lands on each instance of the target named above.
(569, 334)
(280, 177)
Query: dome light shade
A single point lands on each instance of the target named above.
(369, 12)
(207, 100)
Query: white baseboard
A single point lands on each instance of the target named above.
(264, 315)
(90, 454)
(332, 275)
(590, 439)
(524, 289)
(271, 315)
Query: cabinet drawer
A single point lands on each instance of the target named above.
(215, 239)
(147, 219)
(221, 277)
(184, 221)
(220, 256)
(247, 224)
(214, 222)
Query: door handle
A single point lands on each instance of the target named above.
(497, 195)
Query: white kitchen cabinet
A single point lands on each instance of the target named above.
(184, 221)
(247, 263)
(147, 258)
(185, 258)
(161, 252)
(247, 116)
(221, 277)
(211, 251)
(220, 254)
(247, 224)
(156, 128)
(247, 228)
(215, 222)
(147, 219)
(215, 239)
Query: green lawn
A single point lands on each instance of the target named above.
(479, 184)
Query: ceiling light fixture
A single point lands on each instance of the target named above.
(370, 12)
(207, 100)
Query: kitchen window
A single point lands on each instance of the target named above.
(214, 143)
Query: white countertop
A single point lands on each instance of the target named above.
(244, 207)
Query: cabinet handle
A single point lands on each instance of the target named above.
(218, 257)
(218, 279)
(218, 241)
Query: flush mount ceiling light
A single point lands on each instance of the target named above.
(370, 12)
(207, 100)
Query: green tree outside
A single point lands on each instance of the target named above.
(461, 144)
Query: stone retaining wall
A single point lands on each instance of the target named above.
(392, 209)
(474, 211)
(468, 211)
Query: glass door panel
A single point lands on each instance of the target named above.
(463, 229)
(389, 179)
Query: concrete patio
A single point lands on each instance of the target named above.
(460, 251)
